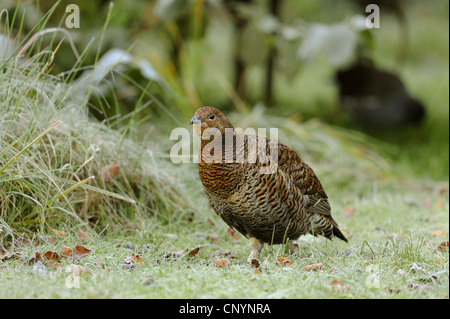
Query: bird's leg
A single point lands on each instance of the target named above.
(293, 247)
(256, 249)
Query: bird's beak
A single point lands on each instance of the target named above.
(194, 120)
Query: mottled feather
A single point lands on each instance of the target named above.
(270, 194)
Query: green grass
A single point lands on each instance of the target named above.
(397, 191)
(198, 277)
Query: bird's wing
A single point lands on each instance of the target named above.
(304, 178)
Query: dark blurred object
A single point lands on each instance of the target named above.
(377, 99)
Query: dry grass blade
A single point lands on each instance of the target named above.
(30, 144)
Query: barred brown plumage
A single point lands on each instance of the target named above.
(269, 196)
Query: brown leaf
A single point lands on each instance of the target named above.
(336, 284)
(66, 252)
(9, 256)
(254, 263)
(211, 222)
(135, 259)
(80, 252)
(221, 263)
(313, 267)
(194, 251)
(34, 258)
(394, 290)
(82, 235)
(443, 246)
(51, 255)
(348, 211)
(59, 233)
(109, 172)
(257, 271)
(439, 232)
(284, 262)
(332, 270)
(232, 235)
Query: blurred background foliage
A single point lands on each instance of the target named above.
(162, 59)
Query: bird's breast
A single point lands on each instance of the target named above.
(221, 179)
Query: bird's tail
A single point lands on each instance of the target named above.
(337, 232)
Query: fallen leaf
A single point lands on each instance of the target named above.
(284, 262)
(221, 263)
(257, 271)
(82, 235)
(9, 256)
(394, 290)
(80, 252)
(34, 258)
(51, 255)
(254, 263)
(66, 252)
(194, 251)
(313, 267)
(348, 211)
(443, 246)
(439, 232)
(336, 284)
(134, 259)
(211, 222)
(232, 235)
(59, 233)
(109, 172)
(332, 270)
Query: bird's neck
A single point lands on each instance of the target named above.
(217, 146)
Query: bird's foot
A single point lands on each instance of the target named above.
(256, 249)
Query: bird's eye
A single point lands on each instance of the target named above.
(212, 117)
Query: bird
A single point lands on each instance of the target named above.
(377, 99)
(266, 193)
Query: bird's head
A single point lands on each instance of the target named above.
(210, 117)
